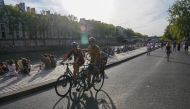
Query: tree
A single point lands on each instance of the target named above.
(11, 17)
(179, 16)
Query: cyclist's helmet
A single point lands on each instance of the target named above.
(92, 39)
(101, 52)
(74, 44)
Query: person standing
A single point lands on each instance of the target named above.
(174, 46)
(162, 45)
(178, 45)
(148, 48)
(168, 50)
(186, 47)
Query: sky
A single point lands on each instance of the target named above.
(148, 17)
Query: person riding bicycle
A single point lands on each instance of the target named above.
(78, 58)
(94, 52)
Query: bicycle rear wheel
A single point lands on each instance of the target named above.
(77, 91)
(63, 85)
(98, 84)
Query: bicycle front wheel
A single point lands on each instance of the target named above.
(63, 85)
(77, 89)
(98, 84)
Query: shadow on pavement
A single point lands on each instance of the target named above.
(42, 73)
(180, 62)
(105, 104)
(59, 104)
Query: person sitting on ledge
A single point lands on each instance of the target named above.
(26, 68)
(11, 68)
(3, 68)
(46, 61)
(53, 62)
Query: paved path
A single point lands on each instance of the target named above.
(38, 78)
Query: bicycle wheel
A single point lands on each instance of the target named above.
(77, 91)
(88, 56)
(63, 85)
(98, 84)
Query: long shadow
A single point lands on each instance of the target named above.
(17, 79)
(105, 104)
(180, 62)
(41, 73)
(57, 106)
(160, 56)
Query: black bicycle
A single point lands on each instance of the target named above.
(65, 82)
(77, 92)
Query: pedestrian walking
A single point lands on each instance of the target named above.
(148, 48)
(186, 47)
(178, 45)
(174, 46)
(168, 51)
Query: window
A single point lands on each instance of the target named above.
(2, 27)
(3, 34)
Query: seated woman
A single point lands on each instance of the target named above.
(11, 68)
(3, 68)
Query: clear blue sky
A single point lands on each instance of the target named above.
(144, 16)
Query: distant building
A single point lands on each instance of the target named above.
(1, 3)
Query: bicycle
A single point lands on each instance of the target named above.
(82, 83)
(64, 82)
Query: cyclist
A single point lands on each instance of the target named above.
(78, 58)
(94, 52)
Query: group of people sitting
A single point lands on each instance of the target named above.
(48, 60)
(12, 68)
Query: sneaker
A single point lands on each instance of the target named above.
(97, 79)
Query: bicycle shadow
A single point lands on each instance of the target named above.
(60, 104)
(98, 102)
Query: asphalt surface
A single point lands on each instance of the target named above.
(145, 82)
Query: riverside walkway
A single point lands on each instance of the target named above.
(20, 85)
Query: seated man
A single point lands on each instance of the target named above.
(78, 58)
(53, 62)
(46, 61)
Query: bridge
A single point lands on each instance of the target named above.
(135, 40)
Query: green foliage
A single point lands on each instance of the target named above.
(179, 18)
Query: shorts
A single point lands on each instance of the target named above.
(91, 67)
(168, 51)
(186, 47)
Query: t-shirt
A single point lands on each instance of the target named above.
(47, 62)
(54, 62)
(174, 43)
(168, 48)
(20, 63)
(78, 54)
(149, 45)
(26, 66)
(186, 43)
(93, 51)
